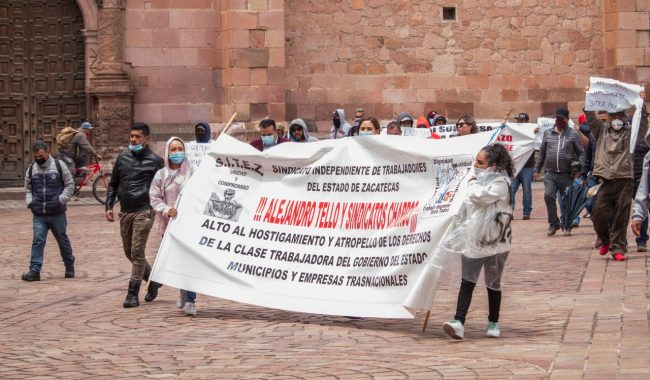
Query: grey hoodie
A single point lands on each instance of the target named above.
(405, 115)
(305, 132)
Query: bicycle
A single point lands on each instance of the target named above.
(100, 184)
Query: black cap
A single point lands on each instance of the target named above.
(562, 112)
(522, 116)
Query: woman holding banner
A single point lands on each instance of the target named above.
(165, 188)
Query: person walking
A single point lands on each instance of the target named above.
(131, 179)
(485, 219)
(165, 188)
(614, 167)
(48, 188)
(524, 177)
(560, 146)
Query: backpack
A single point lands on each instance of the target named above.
(65, 136)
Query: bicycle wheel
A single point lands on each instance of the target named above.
(100, 188)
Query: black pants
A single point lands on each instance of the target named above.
(465, 299)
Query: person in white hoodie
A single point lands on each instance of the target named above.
(484, 222)
(340, 127)
(163, 193)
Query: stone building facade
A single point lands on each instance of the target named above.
(171, 63)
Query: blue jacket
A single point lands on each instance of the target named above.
(46, 193)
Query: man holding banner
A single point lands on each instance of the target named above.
(614, 158)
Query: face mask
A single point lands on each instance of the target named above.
(177, 157)
(617, 124)
(560, 123)
(365, 133)
(40, 161)
(136, 148)
(337, 123)
(479, 171)
(268, 140)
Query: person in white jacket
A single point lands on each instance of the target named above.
(484, 219)
(163, 193)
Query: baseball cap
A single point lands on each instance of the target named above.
(522, 116)
(562, 112)
(582, 118)
(86, 125)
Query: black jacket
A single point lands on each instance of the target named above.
(131, 179)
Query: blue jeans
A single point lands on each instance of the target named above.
(591, 182)
(58, 225)
(643, 236)
(190, 296)
(525, 178)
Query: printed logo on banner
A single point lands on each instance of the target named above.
(228, 208)
(449, 173)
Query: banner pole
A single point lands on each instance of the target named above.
(229, 123)
(426, 320)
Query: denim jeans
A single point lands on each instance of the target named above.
(554, 182)
(57, 224)
(643, 236)
(525, 179)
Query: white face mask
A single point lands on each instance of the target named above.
(479, 171)
(617, 124)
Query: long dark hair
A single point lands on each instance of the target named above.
(498, 156)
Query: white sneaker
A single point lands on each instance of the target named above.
(190, 309)
(493, 330)
(454, 329)
(181, 300)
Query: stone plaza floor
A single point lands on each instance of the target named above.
(567, 313)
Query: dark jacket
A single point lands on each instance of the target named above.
(131, 179)
(558, 150)
(257, 143)
(47, 191)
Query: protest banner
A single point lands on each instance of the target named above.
(194, 152)
(341, 227)
(613, 96)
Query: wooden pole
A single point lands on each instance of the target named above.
(229, 123)
(426, 320)
(505, 119)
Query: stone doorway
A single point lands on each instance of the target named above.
(42, 78)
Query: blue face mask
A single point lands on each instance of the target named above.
(365, 133)
(177, 157)
(136, 148)
(268, 140)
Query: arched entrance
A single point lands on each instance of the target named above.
(42, 78)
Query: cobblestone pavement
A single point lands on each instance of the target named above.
(567, 313)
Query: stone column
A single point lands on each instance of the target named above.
(627, 40)
(252, 42)
(111, 87)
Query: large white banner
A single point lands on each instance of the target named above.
(340, 227)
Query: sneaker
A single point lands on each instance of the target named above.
(31, 275)
(454, 329)
(69, 272)
(618, 256)
(551, 231)
(566, 232)
(641, 247)
(575, 225)
(190, 309)
(587, 215)
(604, 249)
(493, 330)
(180, 302)
(526, 217)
